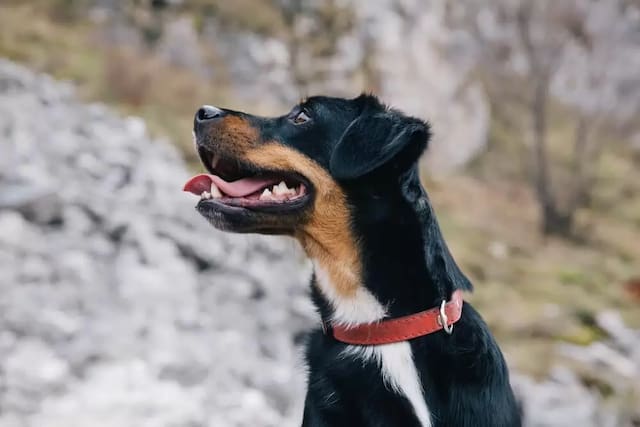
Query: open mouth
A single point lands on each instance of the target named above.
(232, 183)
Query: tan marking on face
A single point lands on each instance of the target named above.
(327, 235)
(235, 134)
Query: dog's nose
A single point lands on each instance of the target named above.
(207, 113)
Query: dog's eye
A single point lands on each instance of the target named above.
(301, 117)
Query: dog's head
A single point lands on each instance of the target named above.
(314, 173)
(274, 175)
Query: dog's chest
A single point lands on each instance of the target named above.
(394, 361)
(399, 373)
(354, 386)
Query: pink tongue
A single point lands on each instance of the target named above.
(240, 188)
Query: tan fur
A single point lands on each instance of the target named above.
(327, 235)
(235, 134)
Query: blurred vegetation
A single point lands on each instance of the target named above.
(131, 79)
(533, 290)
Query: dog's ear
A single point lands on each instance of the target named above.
(373, 140)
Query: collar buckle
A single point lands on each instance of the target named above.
(443, 320)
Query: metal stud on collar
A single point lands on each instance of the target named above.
(444, 320)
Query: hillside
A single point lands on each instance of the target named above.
(552, 302)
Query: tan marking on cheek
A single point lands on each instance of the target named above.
(327, 235)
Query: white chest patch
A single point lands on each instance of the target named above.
(395, 360)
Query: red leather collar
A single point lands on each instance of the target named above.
(401, 328)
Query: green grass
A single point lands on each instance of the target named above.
(134, 82)
(543, 290)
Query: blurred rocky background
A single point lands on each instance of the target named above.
(120, 306)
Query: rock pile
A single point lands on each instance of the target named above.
(120, 306)
(602, 388)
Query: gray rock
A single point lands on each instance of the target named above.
(120, 305)
(36, 203)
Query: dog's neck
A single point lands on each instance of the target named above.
(406, 265)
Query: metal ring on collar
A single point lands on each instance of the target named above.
(442, 317)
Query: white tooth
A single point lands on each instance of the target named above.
(215, 193)
(205, 195)
(266, 195)
(281, 189)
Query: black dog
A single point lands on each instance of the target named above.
(341, 177)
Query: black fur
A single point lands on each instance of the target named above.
(372, 152)
(407, 266)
